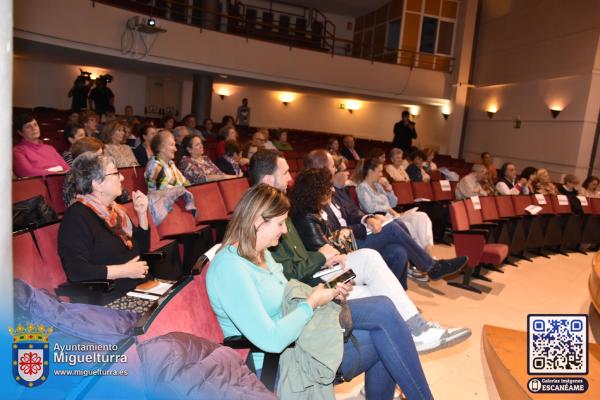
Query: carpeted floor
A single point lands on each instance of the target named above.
(553, 286)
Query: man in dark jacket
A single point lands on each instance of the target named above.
(404, 133)
(348, 149)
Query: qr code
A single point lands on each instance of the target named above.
(557, 344)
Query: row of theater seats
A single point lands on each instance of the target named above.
(499, 227)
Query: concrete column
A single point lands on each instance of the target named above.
(202, 96)
(462, 74)
(6, 269)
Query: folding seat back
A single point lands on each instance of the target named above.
(232, 191)
(595, 206)
(26, 188)
(300, 163)
(453, 186)
(209, 201)
(179, 221)
(459, 216)
(155, 241)
(504, 206)
(488, 208)
(435, 175)
(55, 184)
(587, 208)
(404, 192)
(293, 164)
(441, 192)
(474, 215)
(53, 272)
(520, 203)
(546, 207)
(564, 208)
(133, 179)
(422, 190)
(27, 261)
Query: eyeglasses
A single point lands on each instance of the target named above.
(113, 173)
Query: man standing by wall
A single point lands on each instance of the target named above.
(404, 132)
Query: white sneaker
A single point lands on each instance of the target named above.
(435, 337)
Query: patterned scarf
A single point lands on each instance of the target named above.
(114, 216)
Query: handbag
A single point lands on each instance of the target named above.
(343, 240)
(32, 213)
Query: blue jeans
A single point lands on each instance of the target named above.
(396, 234)
(386, 351)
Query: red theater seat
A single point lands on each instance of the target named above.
(404, 193)
(26, 188)
(232, 191)
(55, 185)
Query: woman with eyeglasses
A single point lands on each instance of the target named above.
(97, 239)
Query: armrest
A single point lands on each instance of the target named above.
(475, 232)
(487, 225)
(85, 288)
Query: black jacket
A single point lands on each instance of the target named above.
(86, 246)
(350, 212)
(573, 200)
(313, 230)
(403, 136)
(346, 153)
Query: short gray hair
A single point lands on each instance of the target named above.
(86, 168)
(395, 151)
(478, 168)
(570, 178)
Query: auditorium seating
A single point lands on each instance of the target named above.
(26, 188)
(232, 191)
(473, 243)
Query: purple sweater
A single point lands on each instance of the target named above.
(34, 159)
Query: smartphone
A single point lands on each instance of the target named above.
(343, 278)
(151, 259)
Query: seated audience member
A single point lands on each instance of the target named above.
(96, 238)
(207, 129)
(377, 152)
(109, 116)
(226, 133)
(415, 169)
(250, 149)
(189, 123)
(508, 184)
(31, 157)
(544, 184)
(131, 132)
(348, 149)
(143, 151)
(375, 195)
(90, 121)
(128, 113)
(260, 138)
(569, 189)
(281, 141)
(179, 133)
(227, 121)
(487, 185)
(488, 161)
(471, 185)
(373, 277)
(73, 119)
(267, 144)
(428, 164)
(333, 146)
(161, 172)
(72, 134)
(230, 162)
(91, 144)
(589, 188)
(113, 136)
(169, 122)
(246, 288)
(529, 178)
(343, 212)
(197, 167)
(396, 170)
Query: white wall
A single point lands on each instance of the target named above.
(532, 56)
(42, 83)
(374, 120)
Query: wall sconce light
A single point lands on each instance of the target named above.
(491, 111)
(223, 92)
(352, 105)
(445, 112)
(414, 110)
(555, 112)
(286, 98)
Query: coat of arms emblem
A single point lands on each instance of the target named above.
(30, 350)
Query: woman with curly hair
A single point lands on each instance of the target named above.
(311, 193)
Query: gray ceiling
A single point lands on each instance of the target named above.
(353, 8)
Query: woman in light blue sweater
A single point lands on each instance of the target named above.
(245, 286)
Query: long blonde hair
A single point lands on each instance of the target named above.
(259, 201)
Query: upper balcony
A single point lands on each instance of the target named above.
(238, 43)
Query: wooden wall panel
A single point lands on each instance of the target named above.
(412, 25)
(396, 9)
(432, 7)
(449, 9)
(414, 5)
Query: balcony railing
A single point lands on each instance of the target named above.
(307, 29)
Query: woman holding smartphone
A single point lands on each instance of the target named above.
(246, 289)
